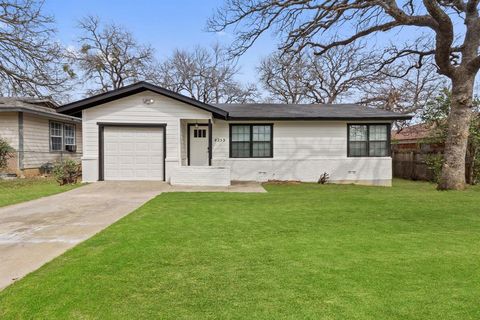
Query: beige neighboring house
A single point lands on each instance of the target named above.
(38, 133)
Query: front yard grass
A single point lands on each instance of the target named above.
(302, 251)
(20, 190)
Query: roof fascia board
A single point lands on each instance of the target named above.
(63, 117)
(382, 118)
(134, 89)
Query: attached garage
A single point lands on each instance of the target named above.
(145, 132)
(132, 152)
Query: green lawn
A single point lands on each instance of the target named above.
(298, 252)
(19, 190)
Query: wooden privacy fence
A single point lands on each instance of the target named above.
(411, 165)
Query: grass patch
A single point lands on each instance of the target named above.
(302, 251)
(20, 190)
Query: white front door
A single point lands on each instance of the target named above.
(199, 145)
(133, 153)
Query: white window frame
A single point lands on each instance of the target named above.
(62, 135)
(51, 135)
(65, 125)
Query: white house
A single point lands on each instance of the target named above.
(145, 132)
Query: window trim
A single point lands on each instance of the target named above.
(389, 133)
(63, 124)
(74, 134)
(231, 125)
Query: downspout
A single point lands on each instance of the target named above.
(20, 142)
(210, 142)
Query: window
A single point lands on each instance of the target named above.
(251, 141)
(199, 133)
(61, 135)
(69, 134)
(56, 136)
(368, 140)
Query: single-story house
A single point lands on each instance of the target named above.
(145, 132)
(38, 134)
(416, 137)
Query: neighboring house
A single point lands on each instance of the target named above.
(415, 137)
(38, 134)
(144, 132)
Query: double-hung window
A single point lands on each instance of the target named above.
(61, 136)
(368, 140)
(69, 131)
(251, 141)
(56, 136)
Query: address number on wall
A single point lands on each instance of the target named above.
(220, 139)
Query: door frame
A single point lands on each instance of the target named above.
(209, 147)
(101, 147)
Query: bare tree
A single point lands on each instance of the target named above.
(282, 76)
(205, 75)
(407, 94)
(316, 24)
(342, 73)
(30, 62)
(305, 77)
(110, 57)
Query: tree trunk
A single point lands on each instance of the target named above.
(453, 171)
(470, 160)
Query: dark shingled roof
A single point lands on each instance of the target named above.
(37, 106)
(274, 111)
(260, 111)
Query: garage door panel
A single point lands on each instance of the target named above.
(111, 147)
(156, 162)
(125, 160)
(133, 153)
(141, 147)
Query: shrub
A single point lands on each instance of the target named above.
(67, 171)
(6, 152)
(324, 178)
(434, 162)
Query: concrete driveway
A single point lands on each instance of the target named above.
(33, 233)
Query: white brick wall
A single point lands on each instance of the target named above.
(303, 150)
(201, 176)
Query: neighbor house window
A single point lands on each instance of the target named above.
(368, 140)
(251, 141)
(61, 135)
(56, 136)
(69, 130)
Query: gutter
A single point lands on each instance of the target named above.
(57, 116)
(379, 118)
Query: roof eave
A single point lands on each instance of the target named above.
(57, 116)
(384, 118)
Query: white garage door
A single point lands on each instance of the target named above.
(132, 153)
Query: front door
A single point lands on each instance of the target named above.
(198, 154)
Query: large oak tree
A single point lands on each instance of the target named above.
(326, 24)
(31, 62)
